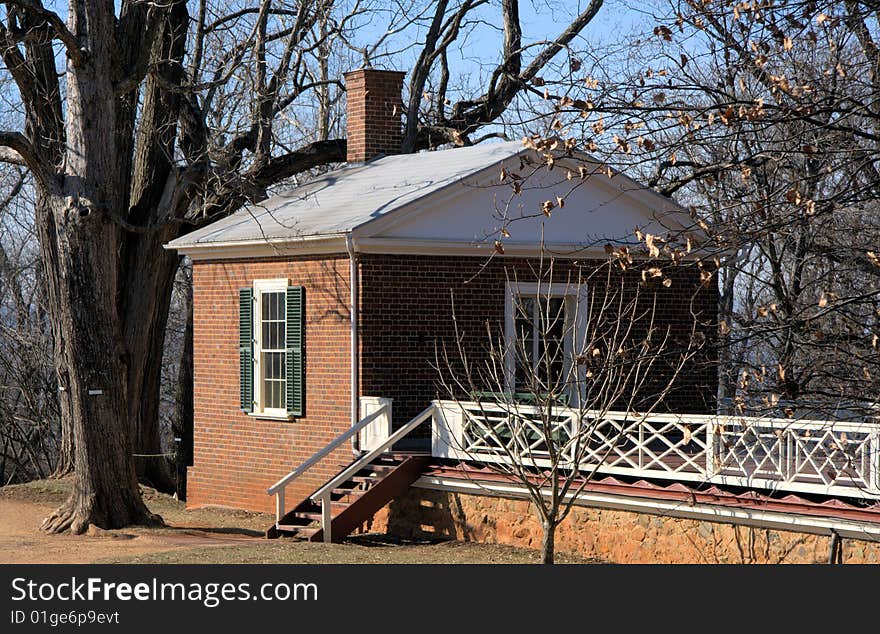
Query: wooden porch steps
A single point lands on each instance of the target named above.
(354, 501)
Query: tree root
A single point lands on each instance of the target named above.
(77, 521)
(61, 471)
(60, 520)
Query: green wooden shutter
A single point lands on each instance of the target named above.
(295, 378)
(246, 348)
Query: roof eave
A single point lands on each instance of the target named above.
(265, 248)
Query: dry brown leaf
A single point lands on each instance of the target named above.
(664, 32)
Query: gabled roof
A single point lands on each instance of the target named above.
(344, 199)
(443, 202)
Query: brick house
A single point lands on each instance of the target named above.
(407, 229)
(318, 313)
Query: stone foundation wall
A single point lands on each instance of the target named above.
(607, 535)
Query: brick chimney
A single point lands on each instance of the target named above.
(374, 112)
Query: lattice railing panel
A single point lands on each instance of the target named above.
(827, 457)
(513, 432)
(750, 450)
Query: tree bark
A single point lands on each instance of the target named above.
(65, 461)
(148, 295)
(183, 415)
(548, 542)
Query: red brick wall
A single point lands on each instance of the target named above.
(374, 109)
(406, 305)
(237, 456)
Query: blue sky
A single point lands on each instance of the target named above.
(541, 20)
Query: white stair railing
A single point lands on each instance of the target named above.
(279, 487)
(322, 495)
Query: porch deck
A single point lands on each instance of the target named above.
(830, 458)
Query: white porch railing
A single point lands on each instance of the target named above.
(809, 456)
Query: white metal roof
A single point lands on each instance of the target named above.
(344, 199)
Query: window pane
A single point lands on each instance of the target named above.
(282, 334)
(551, 343)
(524, 345)
(270, 365)
(544, 318)
(272, 358)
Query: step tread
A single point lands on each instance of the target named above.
(349, 492)
(296, 529)
(317, 515)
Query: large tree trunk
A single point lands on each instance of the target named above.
(151, 272)
(147, 267)
(81, 239)
(106, 492)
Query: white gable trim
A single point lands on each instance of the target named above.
(269, 248)
(475, 249)
(391, 246)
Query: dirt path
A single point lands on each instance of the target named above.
(208, 535)
(21, 541)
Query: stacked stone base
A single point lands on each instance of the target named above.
(607, 535)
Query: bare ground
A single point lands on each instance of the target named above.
(207, 536)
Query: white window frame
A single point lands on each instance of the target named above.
(265, 286)
(576, 308)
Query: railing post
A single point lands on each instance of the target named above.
(874, 448)
(786, 446)
(377, 431)
(279, 505)
(711, 424)
(642, 444)
(326, 518)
